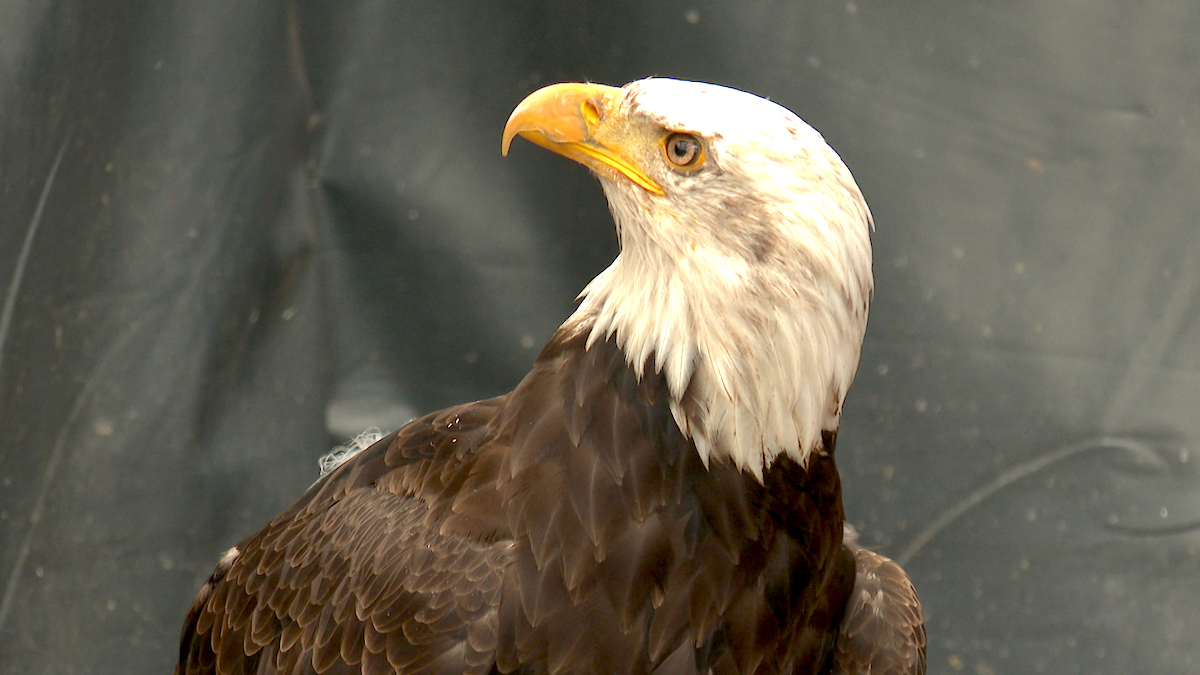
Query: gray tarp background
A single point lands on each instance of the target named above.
(233, 234)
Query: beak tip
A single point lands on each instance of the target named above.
(511, 130)
(506, 142)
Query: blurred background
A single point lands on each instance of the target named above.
(233, 235)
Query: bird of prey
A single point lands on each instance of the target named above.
(659, 493)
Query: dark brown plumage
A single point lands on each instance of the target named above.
(565, 527)
(576, 525)
(884, 629)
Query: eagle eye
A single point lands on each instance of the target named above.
(684, 151)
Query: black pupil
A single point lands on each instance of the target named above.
(683, 149)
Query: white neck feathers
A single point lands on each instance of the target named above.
(758, 341)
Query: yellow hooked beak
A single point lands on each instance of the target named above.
(575, 120)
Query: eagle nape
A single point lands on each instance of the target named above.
(659, 493)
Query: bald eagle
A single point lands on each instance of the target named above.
(659, 493)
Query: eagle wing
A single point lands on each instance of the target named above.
(883, 632)
(391, 562)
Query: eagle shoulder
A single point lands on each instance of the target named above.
(883, 631)
(392, 561)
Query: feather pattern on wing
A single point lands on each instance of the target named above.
(378, 566)
(883, 632)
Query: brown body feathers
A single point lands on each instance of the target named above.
(565, 527)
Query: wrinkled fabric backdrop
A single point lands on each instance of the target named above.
(233, 235)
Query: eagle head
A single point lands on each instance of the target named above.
(744, 275)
